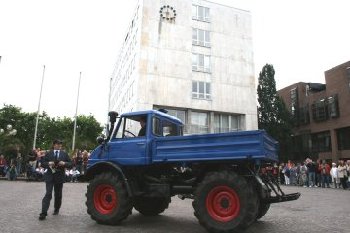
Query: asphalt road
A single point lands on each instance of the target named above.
(317, 210)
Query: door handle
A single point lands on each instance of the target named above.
(140, 143)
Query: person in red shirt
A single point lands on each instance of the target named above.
(324, 170)
(3, 165)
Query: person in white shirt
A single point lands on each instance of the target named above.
(74, 174)
(334, 175)
(342, 173)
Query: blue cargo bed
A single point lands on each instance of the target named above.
(256, 145)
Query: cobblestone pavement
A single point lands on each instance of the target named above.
(317, 210)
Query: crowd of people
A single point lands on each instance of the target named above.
(307, 174)
(30, 166)
(314, 173)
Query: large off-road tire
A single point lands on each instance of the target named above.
(263, 208)
(221, 201)
(107, 199)
(151, 206)
(252, 206)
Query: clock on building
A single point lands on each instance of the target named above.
(167, 12)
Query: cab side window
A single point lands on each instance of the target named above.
(170, 129)
(157, 127)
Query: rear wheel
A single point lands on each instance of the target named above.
(252, 206)
(107, 200)
(263, 208)
(151, 206)
(221, 201)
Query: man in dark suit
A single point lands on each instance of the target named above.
(55, 161)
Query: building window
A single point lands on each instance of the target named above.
(348, 71)
(294, 101)
(325, 108)
(200, 37)
(343, 136)
(200, 62)
(348, 74)
(199, 122)
(181, 114)
(200, 13)
(332, 106)
(319, 110)
(321, 142)
(226, 123)
(200, 90)
(304, 115)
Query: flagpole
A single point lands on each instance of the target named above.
(75, 118)
(109, 105)
(37, 113)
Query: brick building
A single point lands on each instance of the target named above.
(322, 115)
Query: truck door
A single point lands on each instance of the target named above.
(129, 147)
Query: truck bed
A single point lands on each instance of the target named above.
(241, 145)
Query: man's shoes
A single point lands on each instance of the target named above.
(42, 216)
(55, 212)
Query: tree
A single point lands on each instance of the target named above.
(48, 129)
(273, 115)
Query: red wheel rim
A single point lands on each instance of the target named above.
(223, 203)
(105, 199)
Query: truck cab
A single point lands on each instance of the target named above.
(127, 146)
(130, 143)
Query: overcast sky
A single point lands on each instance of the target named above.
(300, 38)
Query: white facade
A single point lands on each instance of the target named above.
(198, 65)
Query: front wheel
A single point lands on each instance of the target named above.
(107, 200)
(221, 201)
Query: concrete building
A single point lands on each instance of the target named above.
(193, 58)
(322, 115)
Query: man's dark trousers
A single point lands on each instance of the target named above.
(48, 196)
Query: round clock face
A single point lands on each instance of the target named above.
(167, 12)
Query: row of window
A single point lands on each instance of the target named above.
(120, 80)
(321, 142)
(201, 63)
(325, 109)
(322, 110)
(121, 100)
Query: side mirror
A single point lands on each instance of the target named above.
(100, 139)
(112, 119)
(113, 116)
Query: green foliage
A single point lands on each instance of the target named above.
(48, 129)
(273, 115)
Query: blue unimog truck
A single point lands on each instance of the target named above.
(221, 172)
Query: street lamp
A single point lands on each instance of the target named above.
(10, 131)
